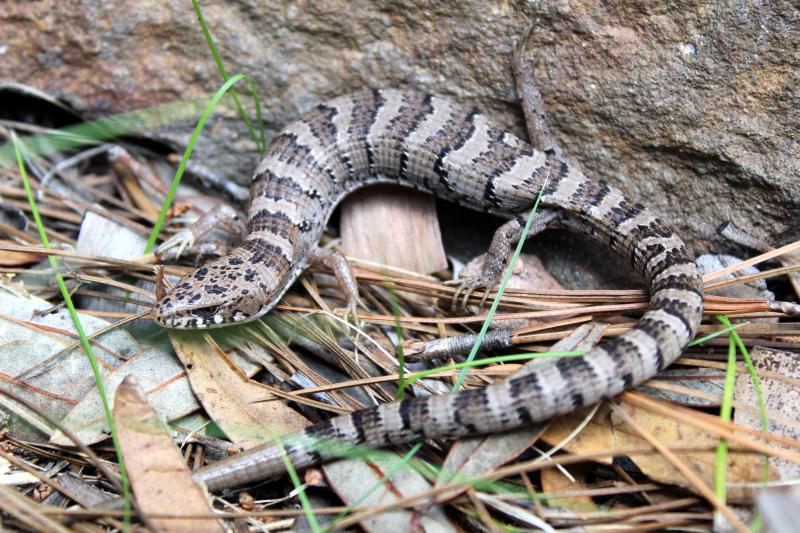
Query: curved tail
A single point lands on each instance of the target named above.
(654, 342)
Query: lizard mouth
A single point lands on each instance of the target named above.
(199, 317)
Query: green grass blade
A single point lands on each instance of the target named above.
(96, 131)
(762, 407)
(502, 288)
(87, 347)
(721, 465)
(258, 139)
(212, 104)
(487, 361)
(716, 334)
(305, 503)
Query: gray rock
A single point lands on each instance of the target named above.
(692, 107)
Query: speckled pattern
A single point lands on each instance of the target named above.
(432, 144)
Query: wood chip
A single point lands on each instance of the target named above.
(395, 226)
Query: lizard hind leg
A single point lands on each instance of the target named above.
(542, 139)
(499, 251)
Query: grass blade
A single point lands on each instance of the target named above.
(87, 347)
(258, 139)
(198, 129)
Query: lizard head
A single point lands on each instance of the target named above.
(225, 291)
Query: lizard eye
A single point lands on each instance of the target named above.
(207, 313)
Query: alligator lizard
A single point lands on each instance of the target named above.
(429, 143)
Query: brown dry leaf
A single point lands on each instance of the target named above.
(233, 401)
(40, 360)
(604, 434)
(678, 384)
(404, 229)
(159, 374)
(160, 479)
(780, 397)
(351, 479)
(554, 481)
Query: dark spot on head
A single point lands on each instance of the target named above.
(215, 289)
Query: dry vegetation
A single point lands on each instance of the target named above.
(645, 461)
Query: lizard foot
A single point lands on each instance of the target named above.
(351, 312)
(174, 247)
(334, 260)
(466, 286)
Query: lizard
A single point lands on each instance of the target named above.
(432, 144)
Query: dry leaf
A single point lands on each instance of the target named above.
(352, 478)
(468, 458)
(554, 481)
(233, 401)
(404, 228)
(36, 360)
(709, 382)
(601, 434)
(161, 377)
(160, 479)
(779, 398)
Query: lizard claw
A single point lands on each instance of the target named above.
(467, 286)
(351, 312)
(177, 244)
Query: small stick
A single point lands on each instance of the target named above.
(416, 351)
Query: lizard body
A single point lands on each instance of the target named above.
(429, 143)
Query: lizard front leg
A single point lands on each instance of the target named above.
(222, 215)
(344, 275)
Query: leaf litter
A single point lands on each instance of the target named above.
(635, 462)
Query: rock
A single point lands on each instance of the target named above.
(689, 107)
(691, 110)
